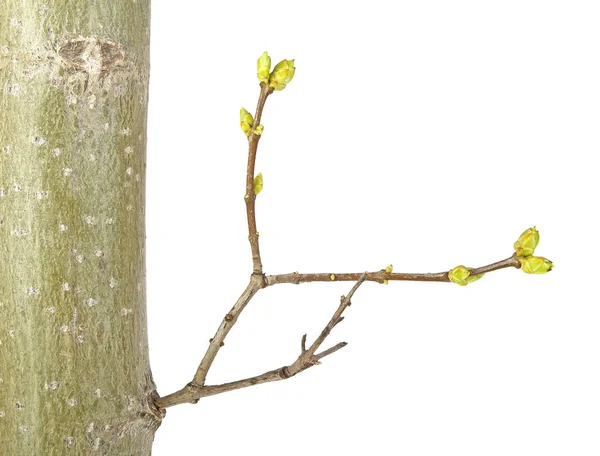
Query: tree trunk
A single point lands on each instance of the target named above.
(74, 370)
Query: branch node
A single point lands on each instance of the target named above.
(303, 343)
(285, 373)
(259, 279)
(192, 385)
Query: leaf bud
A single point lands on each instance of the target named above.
(246, 121)
(282, 74)
(535, 265)
(258, 183)
(527, 242)
(461, 275)
(263, 67)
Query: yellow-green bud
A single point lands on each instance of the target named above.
(461, 275)
(258, 183)
(527, 242)
(535, 265)
(263, 67)
(387, 270)
(258, 130)
(246, 121)
(282, 74)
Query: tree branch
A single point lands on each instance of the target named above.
(308, 357)
(194, 391)
(250, 196)
(256, 283)
(381, 276)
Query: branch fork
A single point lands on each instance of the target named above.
(195, 390)
(307, 357)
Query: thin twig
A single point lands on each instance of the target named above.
(257, 280)
(329, 351)
(307, 358)
(229, 320)
(381, 276)
(250, 197)
(193, 391)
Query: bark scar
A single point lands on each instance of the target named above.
(92, 55)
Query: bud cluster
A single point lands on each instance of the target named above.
(282, 73)
(277, 79)
(524, 249)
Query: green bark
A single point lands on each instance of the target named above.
(74, 370)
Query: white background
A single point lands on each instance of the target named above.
(425, 134)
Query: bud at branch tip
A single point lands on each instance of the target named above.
(282, 74)
(527, 242)
(263, 67)
(535, 265)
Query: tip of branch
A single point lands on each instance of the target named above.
(330, 351)
(359, 282)
(339, 320)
